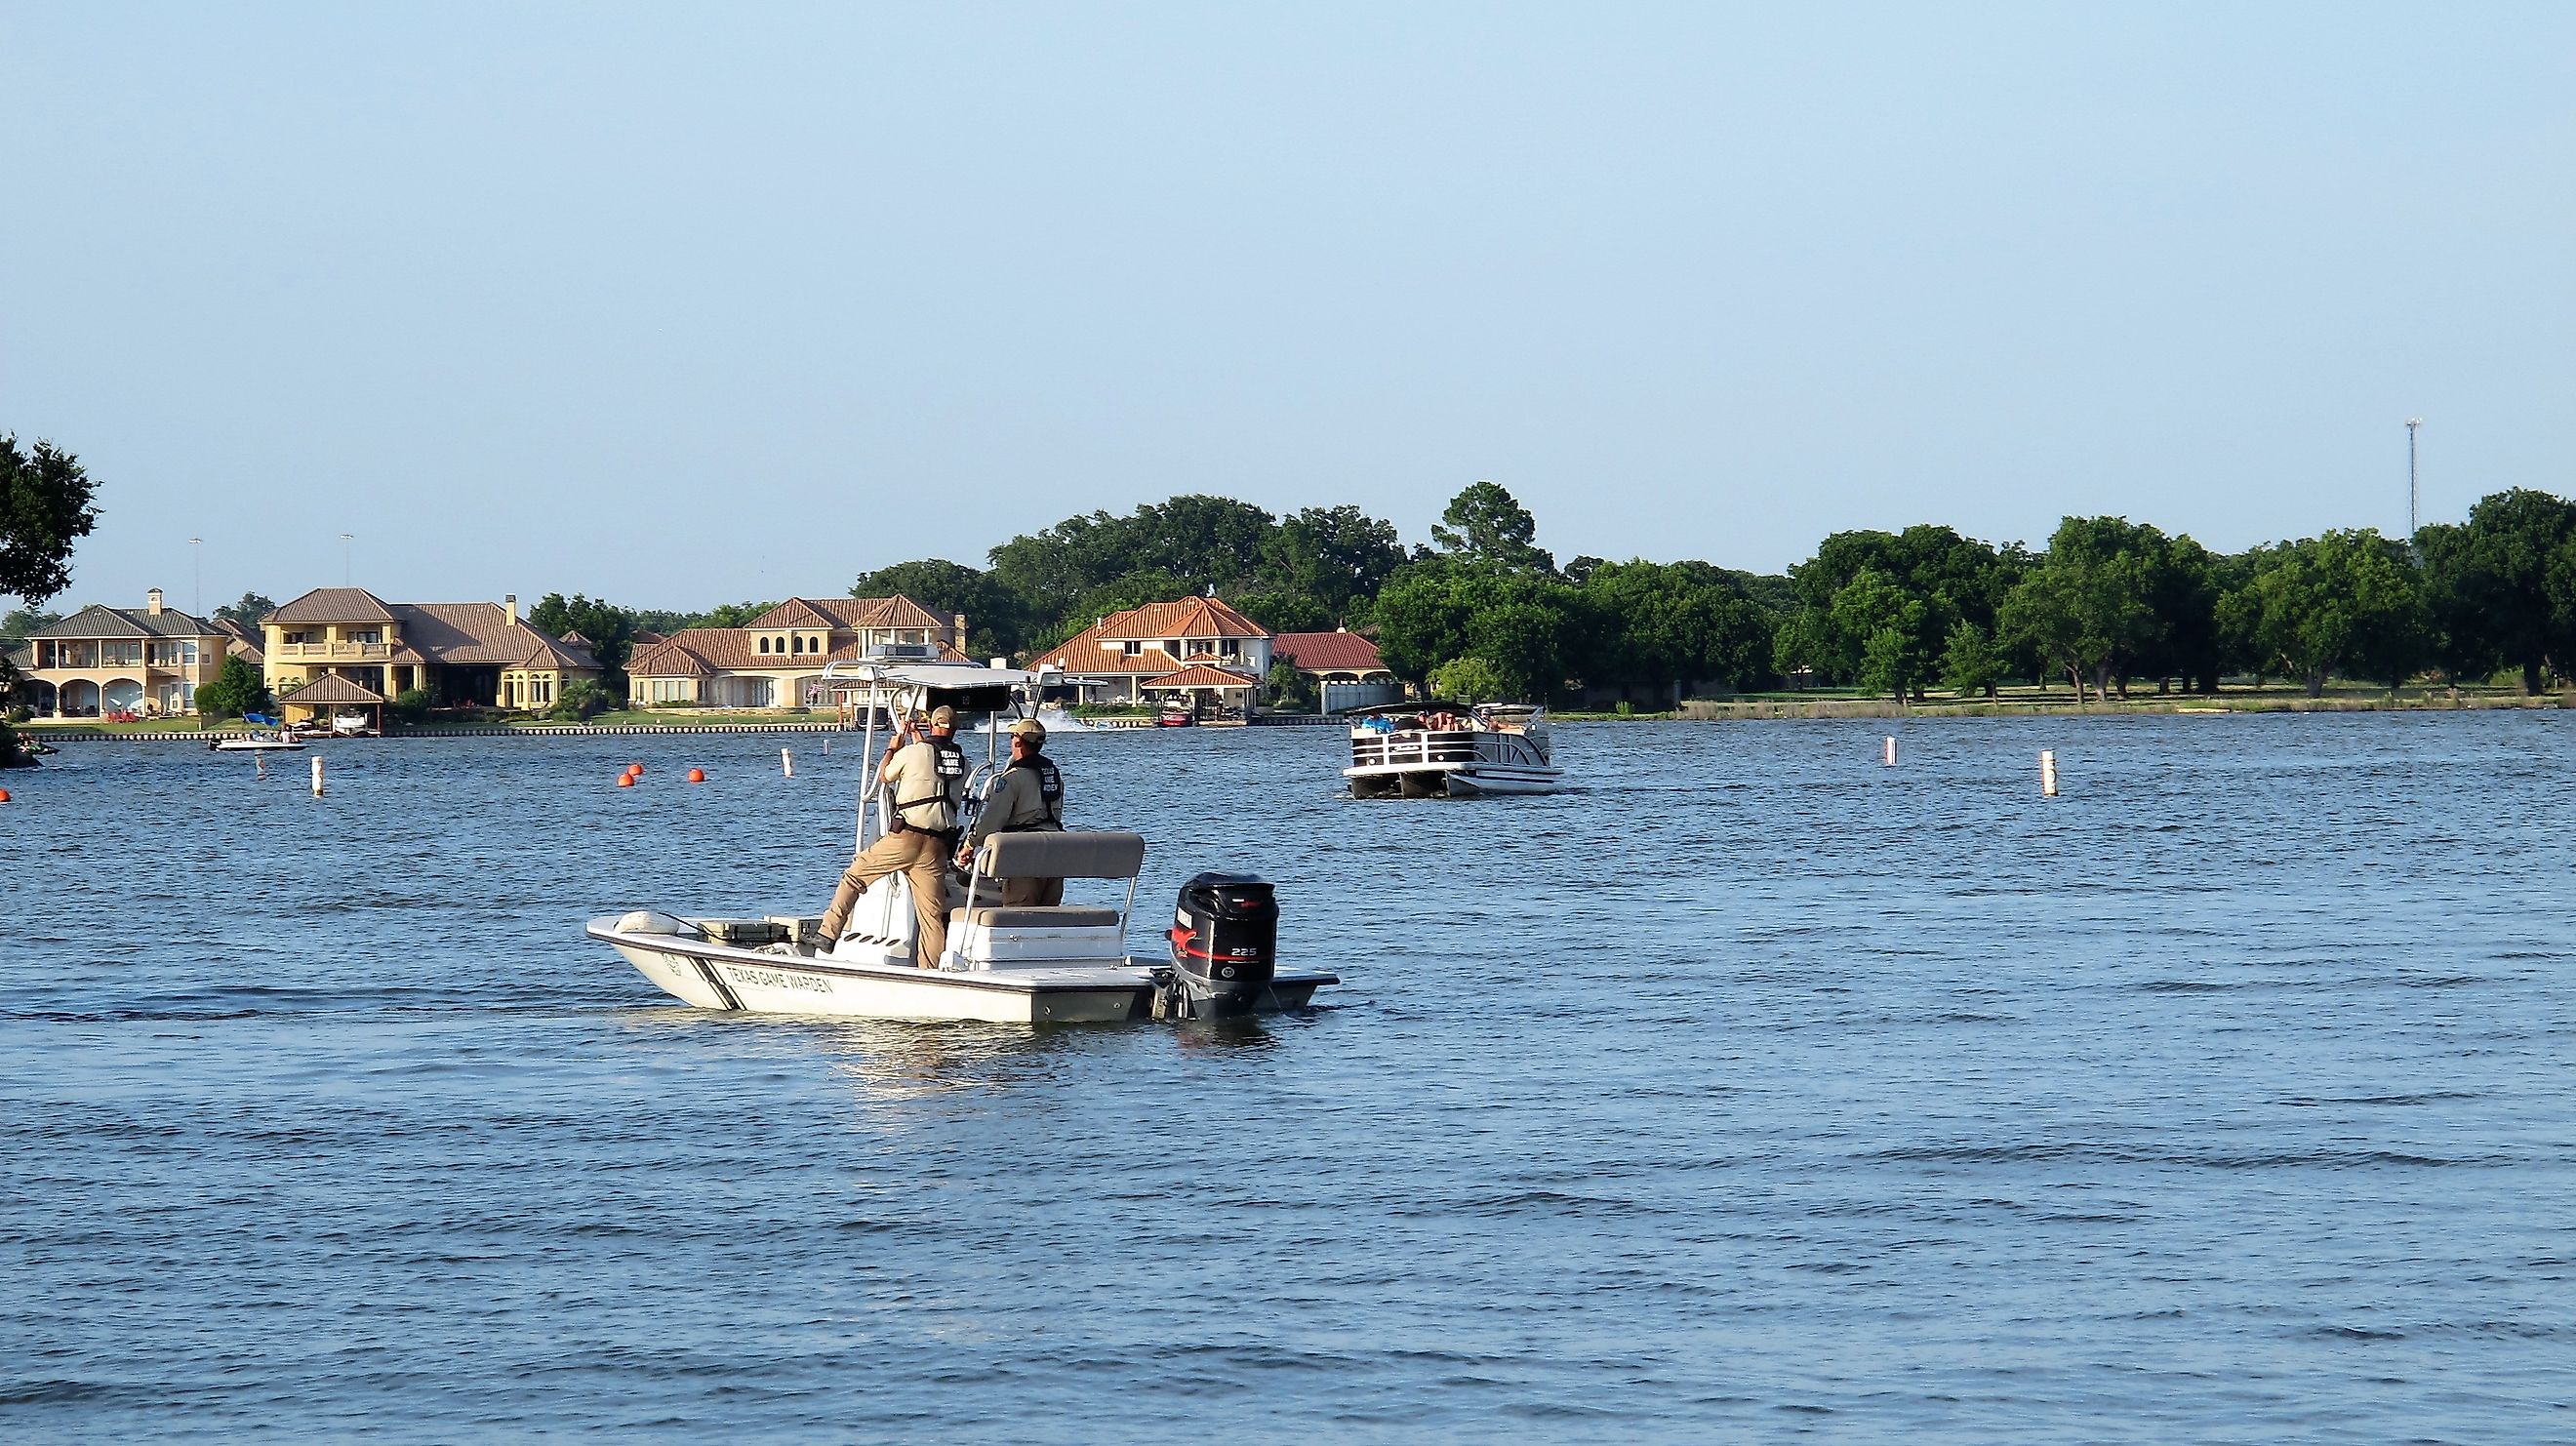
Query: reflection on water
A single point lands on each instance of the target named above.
(2222, 1097)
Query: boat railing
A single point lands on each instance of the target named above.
(1370, 748)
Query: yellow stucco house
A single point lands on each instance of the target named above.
(777, 659)
(104, 660)
(371, 651)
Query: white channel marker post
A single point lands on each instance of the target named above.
(317, 775)
(2047, 773)
(786, 763)
(1891, 751)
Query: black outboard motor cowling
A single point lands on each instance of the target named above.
(1225, 947)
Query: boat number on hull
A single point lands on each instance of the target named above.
(773, 979)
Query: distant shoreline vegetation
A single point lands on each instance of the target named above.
(2107, 605)
(1481, 609)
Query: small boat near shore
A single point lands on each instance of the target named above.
(1026, 964)
(259, 743)
(1451, 750)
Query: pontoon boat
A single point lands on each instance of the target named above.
(1451, 750)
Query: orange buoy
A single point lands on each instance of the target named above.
(4, 795)
(626, 780)
(696, 775)
(635, 770)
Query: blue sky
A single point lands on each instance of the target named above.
(681, 304)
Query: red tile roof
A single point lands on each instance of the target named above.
(1329, 652)
(1200, 675)
(705, 652)
(329, 689)
(1188, 619)
(333, 605)
(849, 613)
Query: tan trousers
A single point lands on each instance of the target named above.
(923, 859)
(1032, 893)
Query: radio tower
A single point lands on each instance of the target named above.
(2411, 524)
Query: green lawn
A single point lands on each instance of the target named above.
(145, 725)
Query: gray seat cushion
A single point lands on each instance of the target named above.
(1103, 855)
(1041, 917)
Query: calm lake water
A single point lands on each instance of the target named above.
(1752, 1089)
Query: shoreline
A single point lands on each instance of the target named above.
(1698, 710)
(1714, 711)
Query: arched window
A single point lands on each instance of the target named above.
(760, 645)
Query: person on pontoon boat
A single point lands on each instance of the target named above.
(928, 776)
(1030, 799)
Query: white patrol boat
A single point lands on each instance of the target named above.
(1451, 750)
(1010, 964)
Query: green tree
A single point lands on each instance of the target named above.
(1951, 579)
(581, 700)
(45, 510)
(18, 623)
(2492, 582)
(1526, 642)
(2346, 601)
(1283, 611)
(1470, 680)
(1129, 590)
(412, 705)
(1670, 625)
(1485, 524)
(252, 607)
(2042, 618)
(1290, 691)
(1971, 662)
(237, 690)
(608, 628)
(996, 618)
(2460, 642)
(1888, 623)
(2090, 605)
(1207, 542)
(1421, 617)
(1335, 557)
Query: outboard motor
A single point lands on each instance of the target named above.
(1225, 947)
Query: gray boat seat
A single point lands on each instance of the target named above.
(1037, 916)
(1047, 855)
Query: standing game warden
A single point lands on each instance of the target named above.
(928, 776)
(1031, 799)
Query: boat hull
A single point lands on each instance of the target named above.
(1461, 780)
(719, 976)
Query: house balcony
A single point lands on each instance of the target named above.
(332, 652)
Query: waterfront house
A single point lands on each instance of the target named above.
(475, 652)
(1344, 667)
(777, 659)
(1167, 651)
(104, 660)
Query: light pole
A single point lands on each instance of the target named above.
(345, 540)
(197, 566)
(2411, 524)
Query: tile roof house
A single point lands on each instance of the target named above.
(1126, 654)
(776, 660)
(475, 652)
(106, 660)
(1344, 667)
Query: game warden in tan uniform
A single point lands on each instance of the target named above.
(928, 775)
(1031, 798)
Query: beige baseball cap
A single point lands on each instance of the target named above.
(1029, 728)
(943, 717)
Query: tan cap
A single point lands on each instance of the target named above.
(943, 716)
(1029, 728)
